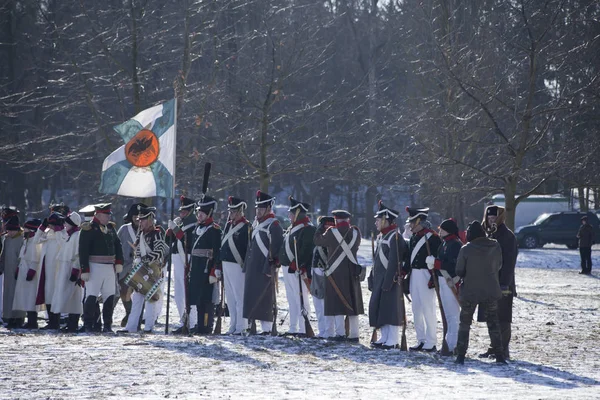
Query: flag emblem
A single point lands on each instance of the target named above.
(145, 165)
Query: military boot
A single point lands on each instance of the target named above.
(107, 315)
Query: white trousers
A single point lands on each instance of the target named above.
(179, 287)
(339, 324)
(326, 324)
(452, 312)
(423, 307)
(102, 281)
(266, 326)
(233, 279)
(353, 325)
(150, 313)
(292, 292)
(389, 335)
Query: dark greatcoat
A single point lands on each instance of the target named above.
(346, 276)
(200, 290)
(386, 306)
(259, 291)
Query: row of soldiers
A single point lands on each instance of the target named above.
(319, 262)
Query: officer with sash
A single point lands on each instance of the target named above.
(386, 309)
(343, 295)
(233, 252)
(100, 256)
(261, 264)
(205, 249)
(423, 246)
(150, 247)
(296, 258)
(180, 233)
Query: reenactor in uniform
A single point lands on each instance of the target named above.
(296, 259)
(233, 252)
(386, 308)
(423, 246)
(326, 324)
(9, 263)
(261, 264)
(182, 241)
(343, 295)
(150, 247)
(127, 234)
(205, 249)
(27, 275)
(100, 256)
(52, 237)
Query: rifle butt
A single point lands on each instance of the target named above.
(309, 330)
(374, 335)
(253, 327)
(217, 330)
(403, 345)
(347, 326)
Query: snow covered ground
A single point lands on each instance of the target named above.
(555, 352)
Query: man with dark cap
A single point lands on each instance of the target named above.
(52, 237)
(445, 266)
(261, 263)
(478, 264)
(27, 276)
(296, 257)
(343, 295)
(205, 249)
(150, 247)
(386, 308)
(586, 238)
(495, 227)
(234, 245)
(180, 233)
(9, 262)
(423, 247)
(100, 258)
(127, 234)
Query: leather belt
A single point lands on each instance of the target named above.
(202, 253)
(102, 259)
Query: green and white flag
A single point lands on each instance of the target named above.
(145, 165)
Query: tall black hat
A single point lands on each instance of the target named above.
(8, 212)
(12, 224)
(61, 208)
(386, 212)
(417, 212)
(233, 203)
(133, 211)
(33, 224)
(185, 203)
(56, 218)
(341, 214)
(207, 204)
(145, 211)
(104, 208)
(264, 200)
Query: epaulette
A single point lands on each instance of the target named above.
(86, 226)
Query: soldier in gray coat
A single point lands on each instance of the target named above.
(261, 263)
(343, 295)
(9, 262)
(478, 264)
(386, 308)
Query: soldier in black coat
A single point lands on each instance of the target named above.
(494, 218)
(586, 240)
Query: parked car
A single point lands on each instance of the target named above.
(558, 228)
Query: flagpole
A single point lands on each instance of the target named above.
(172, 216)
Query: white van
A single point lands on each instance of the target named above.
(535, 205)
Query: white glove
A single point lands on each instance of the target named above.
(218, 274)
(119, 268)
(178, 221)
(137, 261)
(85, 276)
(172, 225)
(430, 260)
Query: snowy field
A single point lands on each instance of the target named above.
(555, 350)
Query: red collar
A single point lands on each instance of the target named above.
(57, 228)
(73, 230)
(242, 220)
(208, 221)
(303, 221)
(387, 230)
(341, 224)
(423, 232)
(266, 216)
(96, 221)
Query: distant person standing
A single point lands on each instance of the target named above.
(586, 240)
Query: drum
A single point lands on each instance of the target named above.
(146, 279)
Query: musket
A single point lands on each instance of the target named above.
(274, 291)
(437, 292)
(307, 327)
(403, 345)
(374, 334)
(217, 330)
